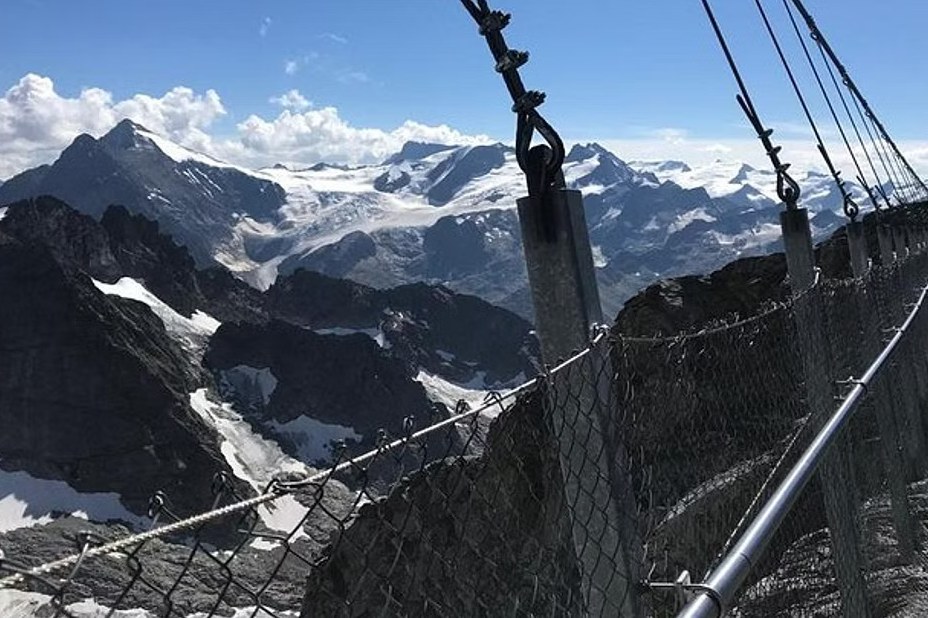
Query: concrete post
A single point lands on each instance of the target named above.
(890, 440)
(599, 497)
(899, 242)
(885, 239)
(834, 472)
(857, 248)
(915, 243)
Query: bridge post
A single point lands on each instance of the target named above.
(857, 248)
(890, 439)
(885, 239)
(597, 493)
(899, 241)
(835, 471)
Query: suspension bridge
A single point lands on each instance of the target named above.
(766, 465)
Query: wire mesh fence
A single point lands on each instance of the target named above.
(503, 510)
(741, 402)
(586, 492)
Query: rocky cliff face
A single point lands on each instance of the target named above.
(346, 381)
(98, 388)
(92, 389)
(501, 518)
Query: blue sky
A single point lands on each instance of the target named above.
(617, 72)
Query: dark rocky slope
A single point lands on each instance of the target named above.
(92, 390)
(194, 202)
(338, 380)
(73, 358)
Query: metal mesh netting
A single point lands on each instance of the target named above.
(707, 416)
(469, 517)
(716, 419)
(881, 453)
(635, 460)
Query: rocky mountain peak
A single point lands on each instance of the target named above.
(127, 135)
(742, 175)
(582, 152)
(413, 151)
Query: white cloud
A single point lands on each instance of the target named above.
(36, 123)
(292, 100)
(671, 135)
(291, 67)
(322, 135)
(335, 38)
(265, 26)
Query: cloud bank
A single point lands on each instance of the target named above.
(37, 122)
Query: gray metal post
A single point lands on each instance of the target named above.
(885, 239)
(834, 473)
(857, 248)
(915, 245)
(890, 439)
(562, 278)
(899, 242)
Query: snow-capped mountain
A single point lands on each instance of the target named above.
(750, 187)
(124, 369)
(430, 212)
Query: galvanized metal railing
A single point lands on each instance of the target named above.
(716, 596)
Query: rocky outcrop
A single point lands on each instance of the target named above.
(463, 537)
(92, 390)
(683, 303)
(448, 334)
(337, 380)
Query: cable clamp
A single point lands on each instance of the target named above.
(494, 21)
(528, 102)
(512, 60)
(849, 382)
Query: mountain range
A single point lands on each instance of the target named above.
(431, 213)
(125, 369)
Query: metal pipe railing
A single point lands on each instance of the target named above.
(716, 595)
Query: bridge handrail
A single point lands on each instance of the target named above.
(716, 595)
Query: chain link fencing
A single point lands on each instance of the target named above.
(720, 417)
(588, 491)
(507, 509)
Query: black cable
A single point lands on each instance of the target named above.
(876, 146)
(855, 92)
(862, 178)
(850, 115)
(850, 208)
(905, 186)
(787, 188)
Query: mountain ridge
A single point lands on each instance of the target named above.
(435, 213)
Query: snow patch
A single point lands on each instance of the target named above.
(20, 604)
(313, 438)
(683, 220)
(253, 458)
(374, 333)
(757, 237)
(190, 332)
(599, 259)
(3, 212)
(442, 391)
(26, 501)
